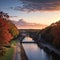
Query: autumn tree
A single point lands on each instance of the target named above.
(8, 30)
(13, 29)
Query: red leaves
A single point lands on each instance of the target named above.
(5, 36)
(3, 24)
(8, 31)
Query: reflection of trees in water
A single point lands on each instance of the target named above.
(23, 55)
(52, 54)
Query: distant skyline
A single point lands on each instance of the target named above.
(33, 11)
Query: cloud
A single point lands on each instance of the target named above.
(40, 1)
(13, 16)
(22, 24)
(38, 5)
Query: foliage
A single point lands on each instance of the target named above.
(8, 55)
(51, 34)
(3, 15)
(8, 30)
(13, 29)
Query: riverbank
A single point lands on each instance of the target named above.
(23, 54)
(55, 53)
(49, 47)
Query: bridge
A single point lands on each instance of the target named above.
(28, 42)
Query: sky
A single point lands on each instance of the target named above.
(33, 11)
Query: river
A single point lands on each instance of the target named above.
(34, 52)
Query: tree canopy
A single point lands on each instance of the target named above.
(8, 30)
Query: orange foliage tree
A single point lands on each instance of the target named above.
(5, 36)
(8, 30)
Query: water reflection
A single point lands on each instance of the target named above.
(28, 39)
(34, 52)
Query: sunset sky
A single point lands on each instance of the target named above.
(35, 11)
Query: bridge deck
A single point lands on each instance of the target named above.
(28, 42)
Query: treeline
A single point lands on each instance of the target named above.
(51, 34)
(8, 30)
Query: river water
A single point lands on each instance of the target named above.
(34, 52)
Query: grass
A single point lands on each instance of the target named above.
(9, 51)
(13, 42)
(8, 55)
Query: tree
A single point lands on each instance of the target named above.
(51, 34)
(56, 34)
(8, 30)
(13, 29)
(4, 15)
